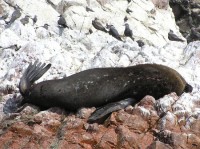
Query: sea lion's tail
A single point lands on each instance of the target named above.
(31, 74)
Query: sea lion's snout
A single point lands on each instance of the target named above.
(188, 88)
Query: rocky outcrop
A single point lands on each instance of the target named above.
(137, 127)
(187, 15)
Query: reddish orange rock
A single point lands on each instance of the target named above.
(148, 102)
(63, 144)
(130, 139)
(18, 142)
(193, 141)
(138, 127)
(159, 145)
(107, 139)
(41, 131)
(21, 129)
(5, 139)
(126, 139)
(195, 127)
(71, 122)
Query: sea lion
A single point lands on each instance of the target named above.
(107, 87)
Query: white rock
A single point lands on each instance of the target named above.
(3, 8)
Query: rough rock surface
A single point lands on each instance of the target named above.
(187, 15)
(135, 128)
(170, 122)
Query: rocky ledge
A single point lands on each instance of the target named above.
(141, 126)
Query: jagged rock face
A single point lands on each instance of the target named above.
(133, 127)
(170, 122)
(162, 4)
(187, 15)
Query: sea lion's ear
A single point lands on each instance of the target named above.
(188, 88)
(102, 113)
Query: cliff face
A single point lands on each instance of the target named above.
(187, 16)
(170, 122)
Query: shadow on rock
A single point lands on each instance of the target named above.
(12, 104)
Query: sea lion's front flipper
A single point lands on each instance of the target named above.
(104, 111)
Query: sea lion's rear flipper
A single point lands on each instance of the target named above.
(31, 74)
(35, 71)
(104, 111)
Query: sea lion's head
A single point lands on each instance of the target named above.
(188, 88)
